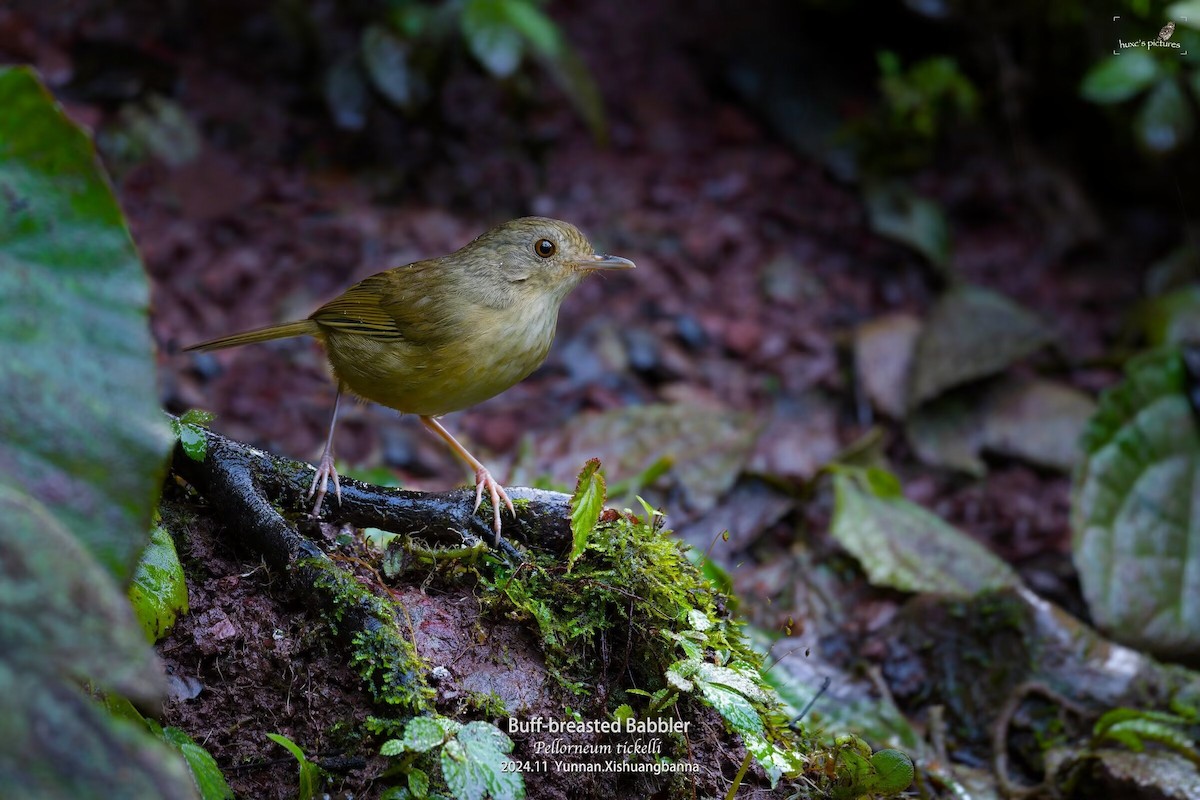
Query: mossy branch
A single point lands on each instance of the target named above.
(252, 490)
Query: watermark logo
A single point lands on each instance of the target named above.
(1162, 40)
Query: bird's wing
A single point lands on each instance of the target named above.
(394, 306)
(359, 310)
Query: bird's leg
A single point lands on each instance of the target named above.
(325, 469)
(483, 478)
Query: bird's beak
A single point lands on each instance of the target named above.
(603, 262)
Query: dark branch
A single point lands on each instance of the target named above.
(249, 488)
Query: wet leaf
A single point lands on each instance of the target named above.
(189, 428)
(1164, 123)
(971, 333)
(1135, 527)
(1120, 77)
(904, 546)
(158, 592)
(898, 213)
(883, 354)
(80, 428)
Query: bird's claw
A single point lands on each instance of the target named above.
(496, 493)
(320, 484)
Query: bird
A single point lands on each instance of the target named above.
(443, 334)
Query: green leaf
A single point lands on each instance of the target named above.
(586, 505)
(422, 734)
(537, 29)
(158, 592)
(62, 620)
(1136, 530)
(904, 546)
(310, 773)
(1120, 77)
(80, 428)
(971, 333)
(83, 446)
(894, 772)
(491, 37)
(1165, 123)
(418, 783)
(898, 213)
(205, 772)
(475, 764)
(189, 429)
(733, 706)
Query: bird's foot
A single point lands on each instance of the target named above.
(496, 493)
(320, 484)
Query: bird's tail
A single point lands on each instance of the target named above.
(303, 327)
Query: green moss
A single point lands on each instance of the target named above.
(386, 661)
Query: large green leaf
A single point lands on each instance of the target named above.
(475, 764)
(80, 428)
(82, 450)
(1136, 509)
(62, 619)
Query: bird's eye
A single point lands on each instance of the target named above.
(544, 248)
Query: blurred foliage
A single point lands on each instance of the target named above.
(919, 104)
(1151, 78)
(82, 451)
(401, 52)
(1134, 530)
